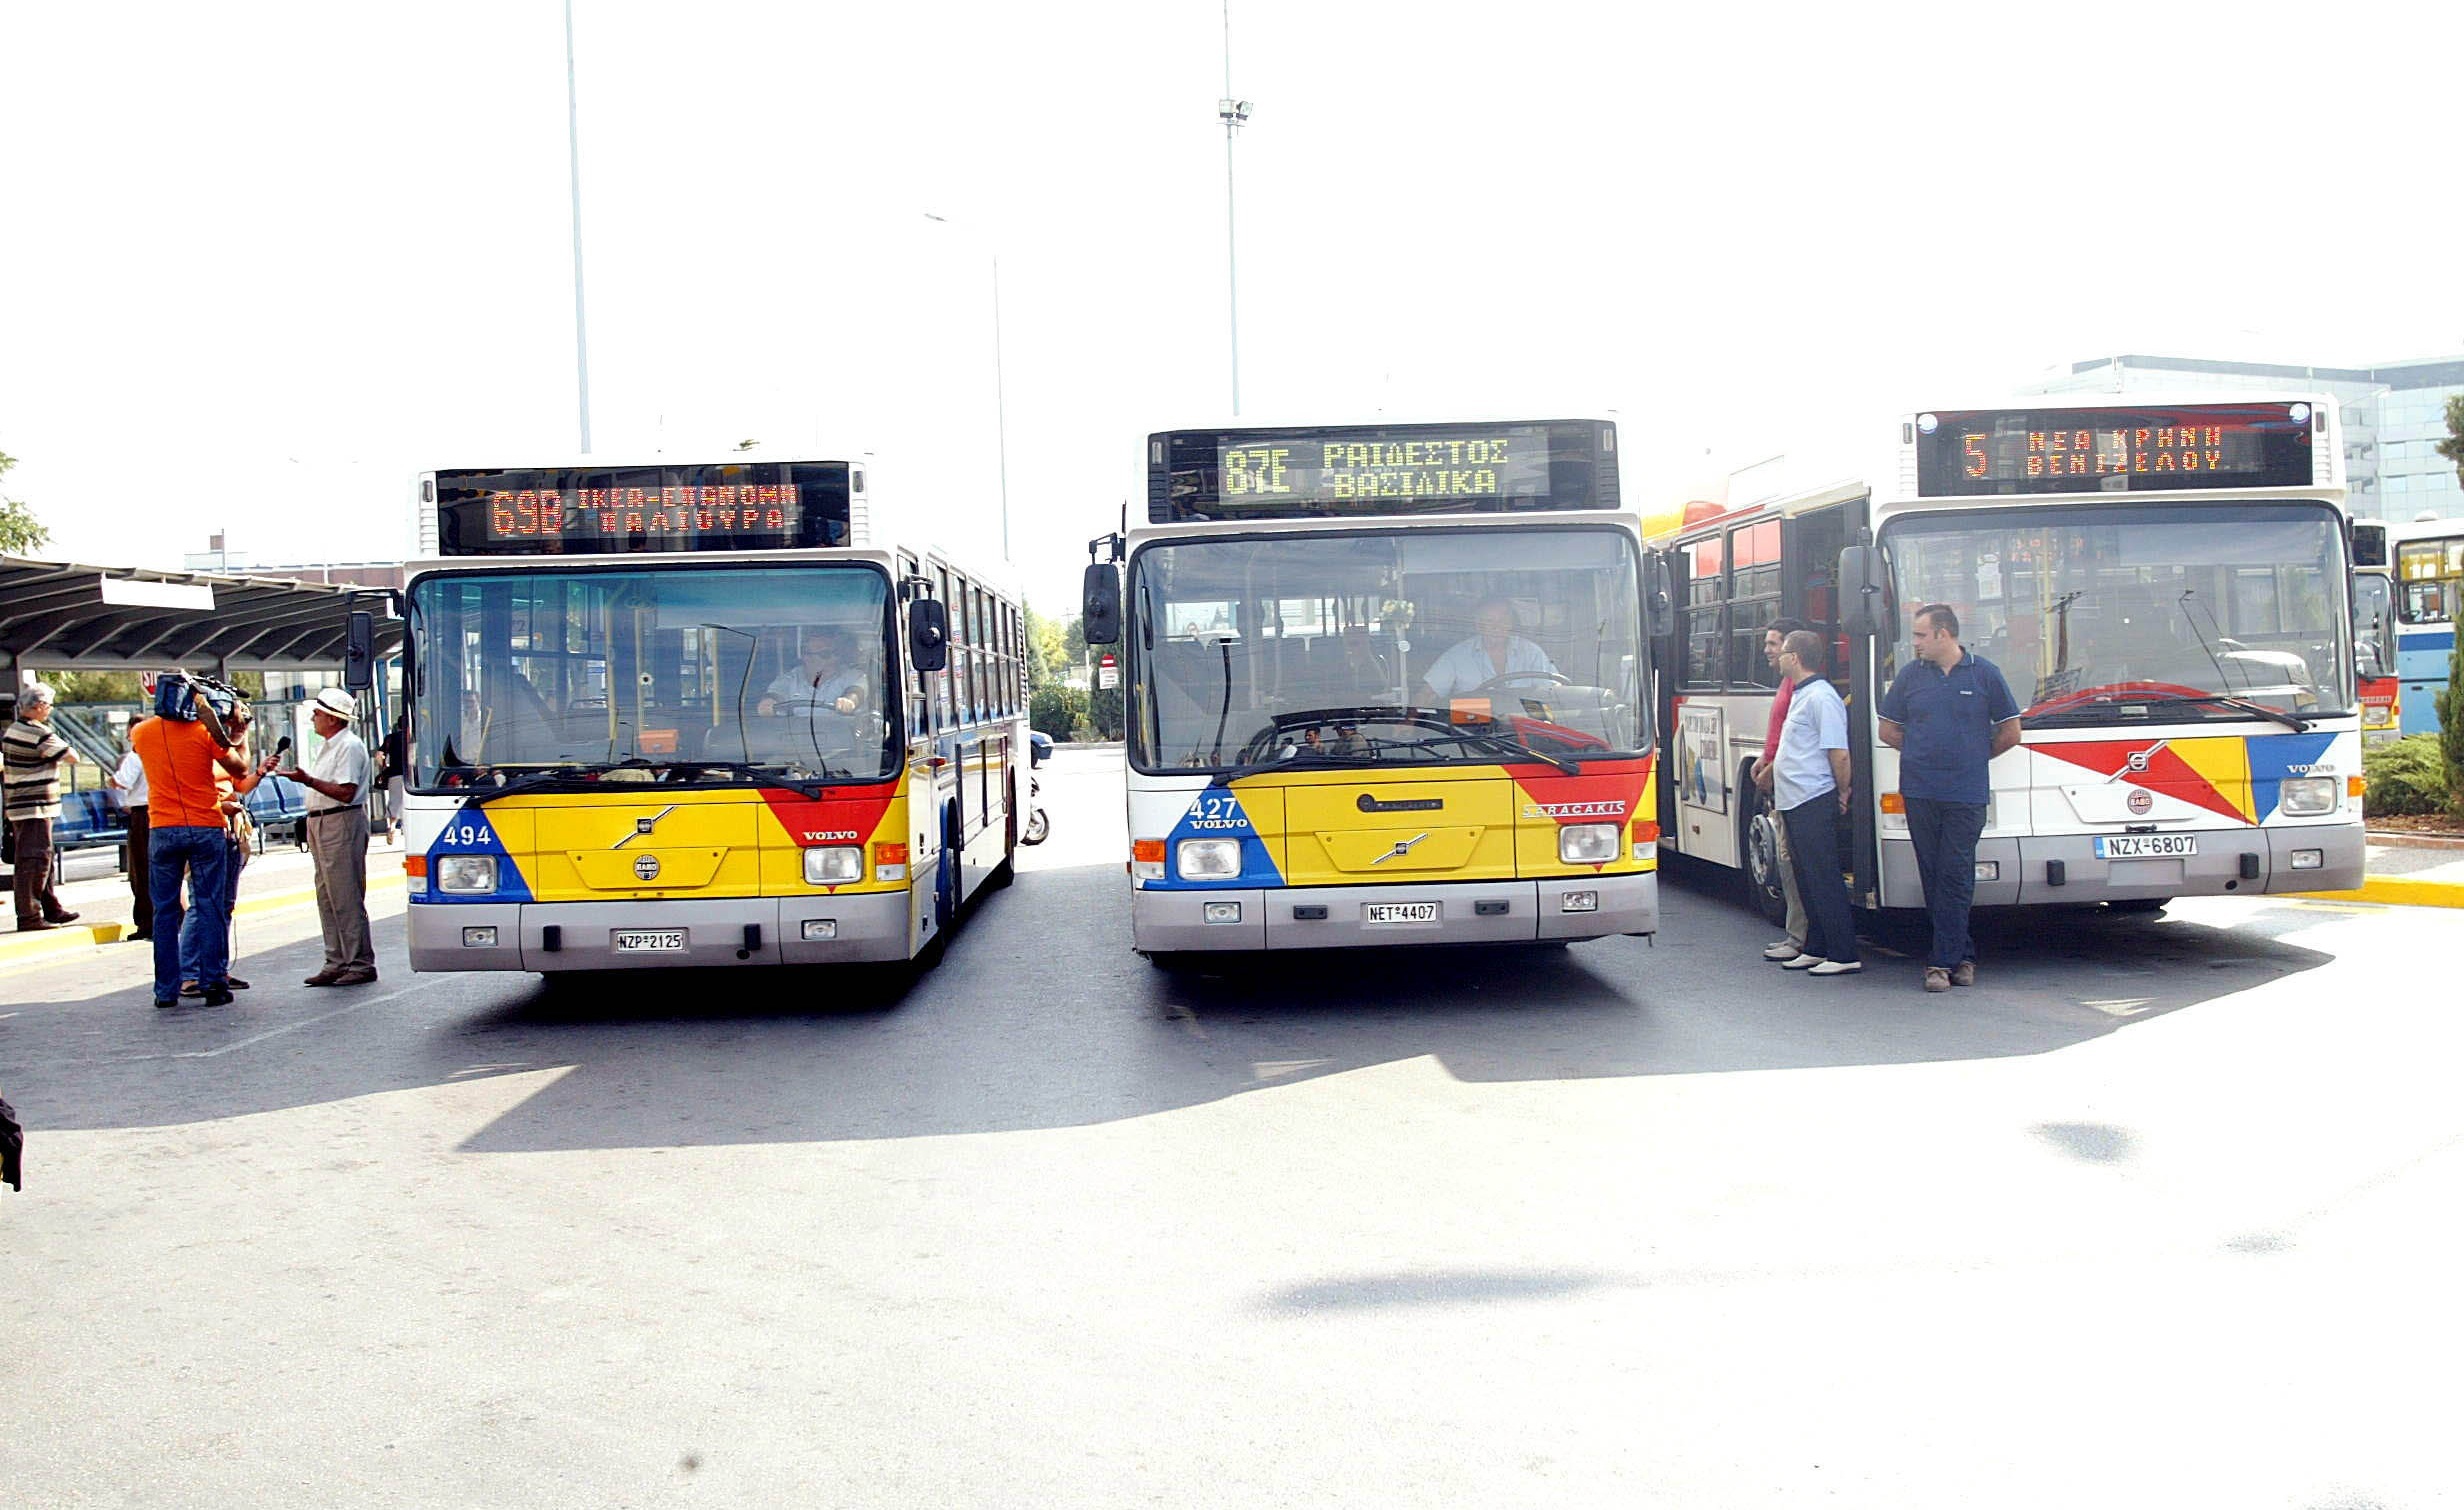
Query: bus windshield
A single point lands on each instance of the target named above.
(713, 675)
(2096, 614)
(1403, 647)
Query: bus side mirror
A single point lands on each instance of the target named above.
(1661, 602)
(359, 652)
(928, 634)
(1099, 612)
(1866, 577)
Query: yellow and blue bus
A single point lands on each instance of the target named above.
(1387, 685)
(701, 714)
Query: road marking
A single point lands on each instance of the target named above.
(228, 1048)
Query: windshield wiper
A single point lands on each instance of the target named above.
(2293, 721)
(1504, 746)
(552, 776)
(1296, 755)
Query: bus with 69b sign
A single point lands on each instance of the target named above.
(718, 714)
(1387, 684)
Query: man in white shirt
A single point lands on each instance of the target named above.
(338, 841)
(1810, 783)
(128, 779)
(824, 678)
(1496, 651)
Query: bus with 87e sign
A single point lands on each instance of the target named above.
(1386, 684)
(716, 714)
(2164, 586)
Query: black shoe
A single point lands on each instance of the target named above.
(218, 997)
(59, 919)
(235, 983)
(159, 1003)
(34, 925)
(138, 937)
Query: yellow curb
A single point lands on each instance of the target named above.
(58, 941)
(2396, 891)
(16, 949)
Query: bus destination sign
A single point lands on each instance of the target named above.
(1368, 466)
(1339, 472)
(640, 510)
(2113, 450)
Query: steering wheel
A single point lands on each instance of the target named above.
(805, 707)
(1517, 676)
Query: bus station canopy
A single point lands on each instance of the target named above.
(98, 618)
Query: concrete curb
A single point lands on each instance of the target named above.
(59, 943)
(2396, 891)
(2398, 839)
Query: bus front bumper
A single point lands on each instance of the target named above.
(737, 931)
(1166, 921)
(2230, 862)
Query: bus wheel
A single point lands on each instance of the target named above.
(1761, 843)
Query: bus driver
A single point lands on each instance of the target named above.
(1495, 652)
(823, 678)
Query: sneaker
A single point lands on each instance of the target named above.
(1964, 973)
(1837, 967)
(218, 997)
(1937, 978)
(1803, 961)
(1782, 950)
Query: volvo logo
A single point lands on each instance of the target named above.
(2137, 763)
(2139, 800)
(642, 826)
(646, 867)
(1402, 847)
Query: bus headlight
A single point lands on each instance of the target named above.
(2307, 796)
(1209, 859)
(1587, 843)
(466, 874)
(835, 866)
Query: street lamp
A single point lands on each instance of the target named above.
(1234, 113)
(573, 151)
(1000, 397)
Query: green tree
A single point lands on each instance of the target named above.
(2453, 446)
(20, 531)
(1047, 658)
(1074, 642)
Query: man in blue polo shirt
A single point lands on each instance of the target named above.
(1948, 714)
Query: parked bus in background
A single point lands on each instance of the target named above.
(2374, 632)
(699, 715)
(2429, 593)
(2165, 587)
(1387, 685)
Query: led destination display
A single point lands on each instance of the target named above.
(1398, 469)
(2117, 450)
(638, 510)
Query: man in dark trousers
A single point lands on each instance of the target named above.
(1948, 714)
(1810, 783)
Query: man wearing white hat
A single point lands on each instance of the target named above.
(338, 841)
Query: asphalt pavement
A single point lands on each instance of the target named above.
(2160, 1213)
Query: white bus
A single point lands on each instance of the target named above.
(1387, 684)
(2427, 563)
(2165, 586)
(699, 714)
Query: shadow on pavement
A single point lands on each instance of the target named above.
(1041, 1017)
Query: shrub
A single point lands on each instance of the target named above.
(1057, 709)
(2407, 776)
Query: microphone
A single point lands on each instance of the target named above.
(282, 747)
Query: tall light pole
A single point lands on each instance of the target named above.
(1000, 393)
(573, 152)
(1234, 113)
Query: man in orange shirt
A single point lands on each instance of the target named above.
(231, 798)
(187, 840)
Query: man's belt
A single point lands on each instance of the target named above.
(328, 812)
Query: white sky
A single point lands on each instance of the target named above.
(262, 262)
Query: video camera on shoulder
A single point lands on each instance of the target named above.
(187, 699)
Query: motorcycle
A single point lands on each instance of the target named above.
(1039, 827)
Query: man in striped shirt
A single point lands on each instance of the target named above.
(30, 759)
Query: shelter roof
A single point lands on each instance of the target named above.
(111, 618)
